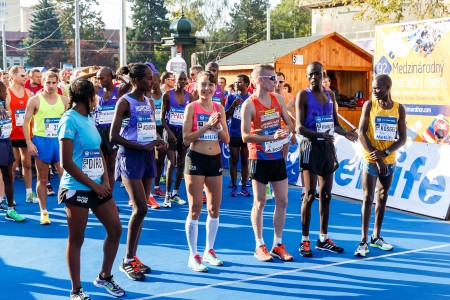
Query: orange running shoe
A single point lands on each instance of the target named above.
(280, 252)
(152, 203)
(159, 193)
(262, 254)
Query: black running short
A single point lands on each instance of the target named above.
(106, 146)
(85, 199)
(202, 164)
(19, 143)
(318, 158)
(266, 171)
(237, 142)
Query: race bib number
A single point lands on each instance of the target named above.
(176, 116)
(51, 127)
(237, 112)
(5, 128)
(20, 117)
(272, 146)
(105, 114)
(385, 128)
(146, 128)
(323, 124)
(92, 163)
(209, 135)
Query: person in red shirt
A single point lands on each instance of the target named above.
(34, 82)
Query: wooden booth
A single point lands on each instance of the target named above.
(349, 65)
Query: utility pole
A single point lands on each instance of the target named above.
(77, 34)
(4, 46)
(123, 35)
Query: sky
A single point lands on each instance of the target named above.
(110, 10)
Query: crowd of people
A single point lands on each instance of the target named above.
(137, 125)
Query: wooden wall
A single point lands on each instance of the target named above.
(230, 75)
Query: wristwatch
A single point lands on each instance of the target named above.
(219, 129)
(387, 152)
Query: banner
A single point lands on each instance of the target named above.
(416, 56)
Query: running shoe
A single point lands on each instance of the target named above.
(18, 174)
(167, 203)
(177, 199)
(50, 191)
(233, 192)
(110, 286)
(245, 192)
(204, 198)
(305, 249)
(45, 220)
(362, 249)
(31, 198)
(131, 269)
(144, 268)
(195, 263)
(152, 203)
(3, 206)
(268, 193)
(280, 252)
(211, 258)
(380, 243)
(79, 295)
(162, 180)
(247, 184)
(262, 254)
(328, 245)
(13, 215)
(50, 172)
(159, 193)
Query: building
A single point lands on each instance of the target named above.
(16, 17)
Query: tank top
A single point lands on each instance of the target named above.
(140, 127)
(158, 109)
(268, 120)
(217, 97)
(17, 107)
(104, 111)
(319, 117)
(201, 117)
(175, 113)
(47, 118)
(5, 122)
(382, 130)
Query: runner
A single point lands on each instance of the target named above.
(213, 67)
(193, 72)
(135, 164)
(85, 185)
(5, 78)
(174, 106)
(204, 125)
(46, 110)
(16, 103)
(34, 83)
(237, 146)
(383, 131)
(317, 120)
(168, 81)
(261, 128)
(6, 161)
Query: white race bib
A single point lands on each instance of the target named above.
(237, 112)
(51, 127)
(323, 124)
(385, 128)
(158, 113)
(92, 163)
(20, 117)
(272, 146)
(176, 116)
(5, 128)
(209, 135)
(105, 114)
(146, 128)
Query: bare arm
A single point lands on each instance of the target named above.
(224, 136)
(364, 125)
(30, 111)
(351, 135)
(401, 129)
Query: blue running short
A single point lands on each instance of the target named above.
(48, 149)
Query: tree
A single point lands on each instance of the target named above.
(249, 20)
(45, 37)
(150, 25)
(289, 19)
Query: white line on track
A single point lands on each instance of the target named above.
(256, 278)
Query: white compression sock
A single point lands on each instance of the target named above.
(212, 225)
(192, 235)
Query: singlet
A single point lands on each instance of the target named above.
(319, 117)
(17, 107)
(175, 113)
(217, 97)
(201, 117)
(158, 109)
(104, 111)
(234, 124)
(267, 120)
(47, 118)
(141, 126)
(382, 130)
(5, 122)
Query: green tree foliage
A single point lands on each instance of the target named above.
(248, 20)
(150, 25)
(289, 19)
(44, 24)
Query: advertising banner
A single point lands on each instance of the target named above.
(416, 56)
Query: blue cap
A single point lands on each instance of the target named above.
(152, 67)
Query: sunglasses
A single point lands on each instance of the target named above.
(22, 74)
(272, 78)
(280, 81)
(172, 79)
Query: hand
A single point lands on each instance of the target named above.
(280, 134)
(376, 155)
(32, 149)
(237, 102)
(352, 135)
(172, 138)
(382, 168)
(329, 138)
(213, 119)
(102, 190)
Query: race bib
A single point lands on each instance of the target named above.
(105, 114)
(146, 128)
(51, 127)
(92, 163)
(272, 146)
(176, 116)
(270, 115)
(385, 128)
(5, 128)
(209, 135)
(20, 117)
(237, 112)
(323, 124)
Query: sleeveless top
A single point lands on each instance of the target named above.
(319, 117)
(104, 111)
(5, 122)
(217, 97)
(158, 109)
(201, 117)
(140, 127)
(47, 118)
(382, 130)
(17, 107)
(175, 113)
(268, 121)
